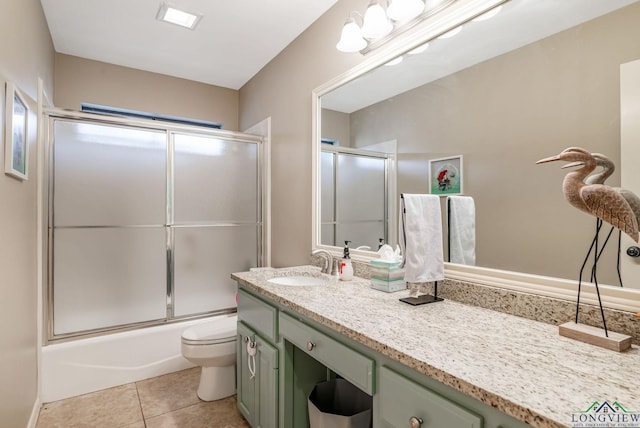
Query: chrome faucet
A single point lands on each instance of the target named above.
(328, 267)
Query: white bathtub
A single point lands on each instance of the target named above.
(86, 365)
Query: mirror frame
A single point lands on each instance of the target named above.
(457, 13)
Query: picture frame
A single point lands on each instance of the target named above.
(446, 176)
(16, 143)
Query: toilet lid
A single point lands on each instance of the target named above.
(223, 329)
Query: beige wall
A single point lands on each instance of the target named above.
(335, 126)
(79, 80)
(26, 53)
(505, 114)
(282, 90)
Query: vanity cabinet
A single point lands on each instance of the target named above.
(294, 353)
(405, 403)
(257, 374)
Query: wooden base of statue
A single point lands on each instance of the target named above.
(595, 336)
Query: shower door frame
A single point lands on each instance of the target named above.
(50, 115)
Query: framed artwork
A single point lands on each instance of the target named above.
(15, 135)
(445, 176)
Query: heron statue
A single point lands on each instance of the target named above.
(603, 202)
(608, 168)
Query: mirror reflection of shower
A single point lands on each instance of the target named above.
(357, 186)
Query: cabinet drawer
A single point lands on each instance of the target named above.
(350, 364)
(261, 316)
(401, 399)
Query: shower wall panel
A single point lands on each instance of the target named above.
(106, 277)
(214, 180)
(107, 175)
(205, 258)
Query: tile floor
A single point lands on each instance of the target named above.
(167, 401)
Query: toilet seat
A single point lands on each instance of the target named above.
(211, 333)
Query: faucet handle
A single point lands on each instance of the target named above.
(335, 269)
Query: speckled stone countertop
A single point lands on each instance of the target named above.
(518, 366)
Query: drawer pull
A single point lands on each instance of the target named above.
(415, 422)
(245, 339)
(310, 346)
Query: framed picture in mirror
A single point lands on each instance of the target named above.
(445, 176)
(16, 143)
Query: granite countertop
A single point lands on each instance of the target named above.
(518, 366)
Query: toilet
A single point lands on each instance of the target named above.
(212, 345)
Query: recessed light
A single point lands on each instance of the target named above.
(419, 49)
(395, 61)
(450, 33)
(179, 17)
(488, 15)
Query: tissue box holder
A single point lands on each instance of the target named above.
(387, 276)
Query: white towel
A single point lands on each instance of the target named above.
(462, 230)
(421, 238)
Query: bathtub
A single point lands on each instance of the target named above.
(85, 365)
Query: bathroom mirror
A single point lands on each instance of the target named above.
(504, 92)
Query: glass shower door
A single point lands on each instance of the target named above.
(216, 223)
(147, 222)
(107, 225)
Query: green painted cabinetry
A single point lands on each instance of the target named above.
(351, 365)
(293, 353)
(257, 375)
(405, 403)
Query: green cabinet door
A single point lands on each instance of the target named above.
(257, 379)
(267, 387)
(246, 394)
(404, 403)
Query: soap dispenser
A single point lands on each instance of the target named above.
(346, 268)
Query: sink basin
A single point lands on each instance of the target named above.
(296, 281)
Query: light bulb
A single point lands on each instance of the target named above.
(351, 38)
(404, 10)
(376, 24)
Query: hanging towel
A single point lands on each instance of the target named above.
(462, 230)
(421, 238)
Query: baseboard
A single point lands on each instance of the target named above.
(35, 412)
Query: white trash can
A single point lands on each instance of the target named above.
(339, 404)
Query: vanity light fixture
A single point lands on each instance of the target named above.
(170, 14)
(384, 19)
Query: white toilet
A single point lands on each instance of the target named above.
(212, 345)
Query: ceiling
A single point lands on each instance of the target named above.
(233, 41)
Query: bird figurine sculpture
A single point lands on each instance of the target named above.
(599, 200)
(604, 202)
(608, 168)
